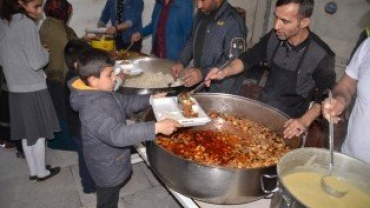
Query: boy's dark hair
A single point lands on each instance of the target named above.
(305, 6)
(72, 51)
(92, 61)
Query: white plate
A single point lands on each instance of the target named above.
(99, 30)
(168, 107)
(128, 67)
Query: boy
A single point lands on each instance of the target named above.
(106, 137)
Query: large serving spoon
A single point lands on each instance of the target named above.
(203, 83)
(329, 183)
(237, 46)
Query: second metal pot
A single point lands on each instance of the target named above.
(316, 160)
(152, 65)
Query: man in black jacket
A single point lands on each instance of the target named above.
(301, 65)
(217, 24)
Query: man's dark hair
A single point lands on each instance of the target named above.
(305, 6)
(71, 51)
(92, 61)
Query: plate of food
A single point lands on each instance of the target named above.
(187, 114)
(127, 67)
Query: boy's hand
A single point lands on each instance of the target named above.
(122, 76)
(159, 95)
(166, 126)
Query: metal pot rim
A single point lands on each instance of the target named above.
(244, 98)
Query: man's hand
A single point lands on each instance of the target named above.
(332, 109)
(294, 128)
(166, 126)
(135, 37)
(192, 77)
(214, 74)
(112, 30)
(176, 69)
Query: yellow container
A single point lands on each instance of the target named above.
(107, 44)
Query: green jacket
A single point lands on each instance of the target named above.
(55, 35)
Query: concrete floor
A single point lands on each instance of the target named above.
(65, 191)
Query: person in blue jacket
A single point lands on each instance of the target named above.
(125, 18)
(171, 24)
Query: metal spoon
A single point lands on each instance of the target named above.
(203, 83)
(237, 46)
(128, 48)
(326, 186)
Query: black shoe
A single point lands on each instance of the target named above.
(6, 144)
(90, 191)
(53, 172)
(20, 155)
(31, 178)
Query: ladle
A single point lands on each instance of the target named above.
(335, 191)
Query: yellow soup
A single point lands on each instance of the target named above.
(306, 187)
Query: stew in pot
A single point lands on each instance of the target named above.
(258, 147)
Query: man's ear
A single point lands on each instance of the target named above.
(305, 22)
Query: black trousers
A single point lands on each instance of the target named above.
(107, 197)
(87, 182)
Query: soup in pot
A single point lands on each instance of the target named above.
(306, 186)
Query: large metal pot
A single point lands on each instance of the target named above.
(317, 160)
(216, 184)
(153, 65)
